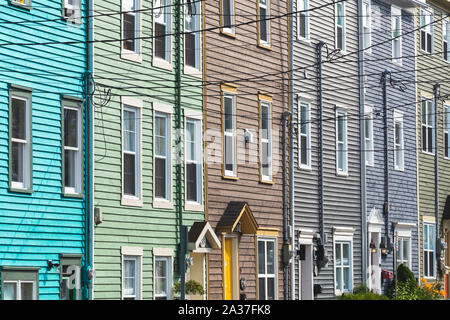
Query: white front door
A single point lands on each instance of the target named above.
(374, 269)
(306, 275)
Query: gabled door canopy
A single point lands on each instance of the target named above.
(237, 218)
(201, 238)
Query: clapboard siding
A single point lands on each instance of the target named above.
(252, 69)
(38, 227)
(145, 226)
(431, 69)
(342, 205)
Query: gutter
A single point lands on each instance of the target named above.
(436, 89)
(319, 88)
(291, 151)
(286, 249)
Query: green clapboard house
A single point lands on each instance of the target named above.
(148, 149)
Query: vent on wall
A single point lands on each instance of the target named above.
(98, 216)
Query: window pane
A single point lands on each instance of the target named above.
(129, 174)
(270, 257)
(338, 254)
(345, 254)
(302, 24)
(229, 158)
(270, 288)
(190, 141)
(160, 178)
(26, 291)
(69, 168)
(19, 119)
(161, 141)
(191, 177)
(161, 277)
(304, 157)
(339, 279)
(10, 291)
(129, 130)
(190, 50)
(431, 263)
(129, 31)
(129, 277)
(17, 155)
(346, 282)
(265, 158)
(70, 128)
(228, 110)
(262, 289)
(264, 122)
(261, 258)
(160, 41)
(227, 7)
(262, 24)
(304, 119)
(340, 37)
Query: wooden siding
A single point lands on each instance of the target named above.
(145, 226)
(342, 205)
(38, 227)
(228, 60)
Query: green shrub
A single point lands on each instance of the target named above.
(192, 287)
(362, 292)
(404, 274)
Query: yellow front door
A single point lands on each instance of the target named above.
(228, 265)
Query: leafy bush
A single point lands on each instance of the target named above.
(362, 292)
(192, 287)
(404, 274)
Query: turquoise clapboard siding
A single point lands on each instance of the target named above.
(40, 226)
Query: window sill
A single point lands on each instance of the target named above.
(264, 46)
(396, 63)
(428, 153)
(131, 201)
(20, 5)
(229, 177)
(305, 167)
(304, 41)
(228, 34)
(399, 169)
(371, 165)
(193, 206)
(163, 64)
(72, 195)
(191, 71)
(162, 204)
(130, 55)
(342, 174)
(266, 182)
(20, 190)
(78, 22)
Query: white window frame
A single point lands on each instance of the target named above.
(343, 235)
(164, 111)
(427, 250)
(429, 107)
(194, 70)
(302, 103)
(27, 158)
(400, 258)
(166, 5)
(446, 39)
(266, 275)
(396, 13)
(133, 105)
(18, 284)
(344, 170)
(168, 255)
(426, 18)
(303, 10)
(134, 254)
(343, 49)
(398, 119)
(268, 104)
(75, 9)
(369, 141)
(21, 3)
(78, 158)
(264, 43)
(233, 134)
(232, 29)
(367, 25)
(135, 55)
(446, 122)
(196, 118)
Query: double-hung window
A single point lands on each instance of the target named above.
(162, 169)
(303, 19)
(229, 132)
(72, 10)
(20, 152)
(73, 160)
(192, 40)
(131, 17)
(266, 139)
(426, 31)
(429, 250)
(341, 141)
(427, 125)
(267, 269)
(304, 137)
(398, 142)
(264, 23)
(131, 278)
(446, 130)
(446, 39)
(193, 160)
(366, 23)
(131, 146)
(163, 277)
(343, 266)
(20, 284)
(368, 137)
(404, 251)
(162, 30)
(340, 26)
(227, 17)
(396, 28)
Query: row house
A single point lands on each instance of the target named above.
(149, 190)
(246, 61)
(44, 226)
(326, 183)
(388, 72)
(433, 122)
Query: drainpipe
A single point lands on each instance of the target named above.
(286, 249)
(319, 88)
(291, 150)
(436, 89)
(90, 156)
(364, 234)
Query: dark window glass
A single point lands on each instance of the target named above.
(129, 174)
(160, 178)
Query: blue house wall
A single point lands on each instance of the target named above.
(42, 225)
(402, 184)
